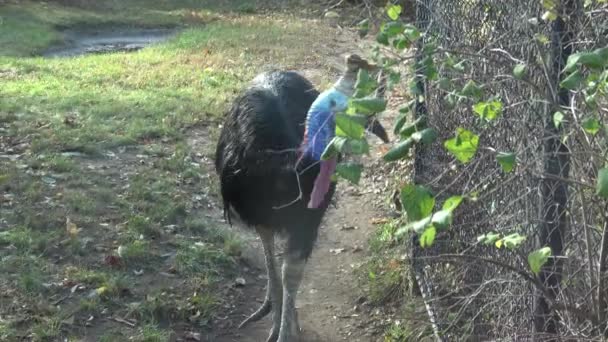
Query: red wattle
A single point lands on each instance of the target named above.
(322, 183)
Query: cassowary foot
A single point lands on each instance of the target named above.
(260, 313)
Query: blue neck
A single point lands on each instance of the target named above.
(321, 122)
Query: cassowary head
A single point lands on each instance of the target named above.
(321, 124)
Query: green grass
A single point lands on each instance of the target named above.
(114, 108)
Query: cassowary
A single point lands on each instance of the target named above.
(272, 177)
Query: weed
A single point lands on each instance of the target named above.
(47, 330)
(134, 252)
(200, 257)
(139, 225)
(151, 333)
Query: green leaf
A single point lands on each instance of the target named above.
(593, 60)
(401, 43)
(489, 238)
(393, 28)
(365, 83)
(471, 89)
(340, 144)
(426, 136)
(601, 187)
(538, 258)
(382, 38)
(394, 11)
(411, 33)
(348, 125)
(399, 151)
(513, 240)
(488, 110)
(402, 119)
(541, 38)
(549, 16)
(519, 71)
(417, 226)
(417, 200)
(393, 79)
(368, 105)
(333, 148)
(591, 125)
(463, 146)
(363, 28)
(350, 171)
(356, 146)
(572, 81)
(452, 203)
(506, 160)
(428, 237)
(410, 129)
(442, 219)
(558, 118)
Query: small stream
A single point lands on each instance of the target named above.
(97, 41)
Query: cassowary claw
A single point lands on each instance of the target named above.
(259, 314)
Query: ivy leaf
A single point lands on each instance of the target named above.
(350, 171)
(452, 203)
(401, 43)
(393, 79)
(382, 38)
(591, 125)
(365, 83)
(426, 136)
(356, 146)
(417, 201)
(538, 258)
(393, 28)
(399, 151)
(519, 71)
(363, 28)
(428, 237)
(463, 146)
(340, 144)
(513, 240)
(601, 187)
(442, 219)
(410, 129)
(506, 160)
(572, 81)
(417, 226)
(488, 110)
(549, 16)
(489, 238)
(394, 11)
(411, 32)
(558, 118)
(471, 89)
(368, 105)
(348, 125)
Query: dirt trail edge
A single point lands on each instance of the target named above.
(329, 300)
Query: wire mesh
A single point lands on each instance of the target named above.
(475, 295)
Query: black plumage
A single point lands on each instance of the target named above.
(257, 154)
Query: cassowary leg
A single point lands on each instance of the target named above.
(300, 242)
(293, 269)
(274, 291)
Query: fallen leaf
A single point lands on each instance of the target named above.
(193, 336)
(71, 228)
(336, 251)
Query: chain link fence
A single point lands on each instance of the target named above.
(477, 291)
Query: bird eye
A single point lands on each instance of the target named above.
(332, 103)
